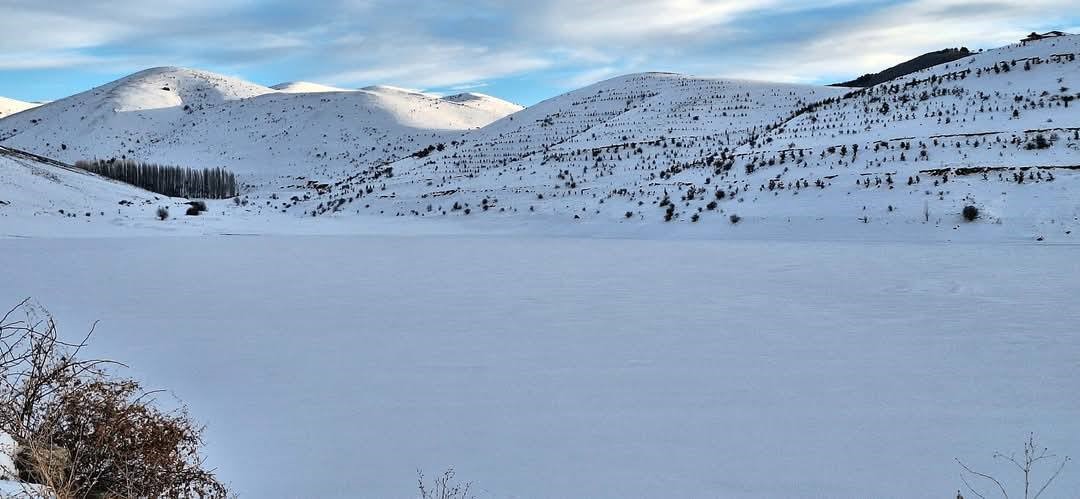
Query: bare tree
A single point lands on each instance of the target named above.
(1025, 464)
(443, 487)
(173, 181)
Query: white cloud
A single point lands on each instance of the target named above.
(591, 76)
(622, 20)
(17, 61)
(435, 65)
(899, 33)
(439, 44)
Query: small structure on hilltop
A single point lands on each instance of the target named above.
(1036, 36)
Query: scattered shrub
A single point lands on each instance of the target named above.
(162, 213)
(1034, 454)
(735, 218)
(970, 213)
(443, 487)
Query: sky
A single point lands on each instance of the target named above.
(520, 50)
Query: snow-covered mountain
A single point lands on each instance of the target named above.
(484, 102)
(12, 106)
(996, 130)
(306, 87)
(199, 119)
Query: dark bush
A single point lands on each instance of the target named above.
(192, 211)
(735, 218)
(162, 213)
(970, 213)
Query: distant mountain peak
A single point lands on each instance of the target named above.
(12, 106)
(307, 87)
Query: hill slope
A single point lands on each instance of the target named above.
(617, 134)
(484, 102)
(12, 106)
(199, 119)
(30, 188)
(306, 87)
(654, 147)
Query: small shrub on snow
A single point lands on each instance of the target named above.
(443, 486)
(1033, 455)
(162, 213)
(970, 213)
(735, 218)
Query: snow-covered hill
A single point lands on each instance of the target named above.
(484, 102)
(12, 106)
(199, 119)
(997, 130)
(616, 135)
(31, 188)
(306, 87)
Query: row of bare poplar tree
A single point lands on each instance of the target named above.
(173, 181)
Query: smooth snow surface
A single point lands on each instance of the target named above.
(7, 456)
(570, 367)
(306, 87)
(9, 488)
(494, 105)
(33, 193)
(12, 106)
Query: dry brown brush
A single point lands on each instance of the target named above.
(84, 432)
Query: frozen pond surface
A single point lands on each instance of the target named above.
(335, 366)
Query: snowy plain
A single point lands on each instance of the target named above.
(335, 366)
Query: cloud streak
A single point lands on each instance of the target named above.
(507, 46)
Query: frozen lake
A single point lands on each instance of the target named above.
(335, 366)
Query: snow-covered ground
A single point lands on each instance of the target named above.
(12, 106)
(586, 367)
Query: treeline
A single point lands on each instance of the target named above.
(172, 181)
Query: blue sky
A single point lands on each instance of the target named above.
(523, 51)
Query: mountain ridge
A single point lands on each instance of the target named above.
(640, 148)
(12, 106)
